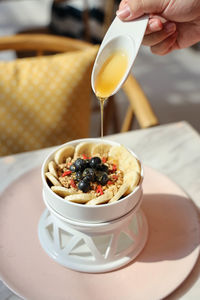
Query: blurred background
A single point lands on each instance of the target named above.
(171, 83)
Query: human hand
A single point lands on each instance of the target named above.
(173, 24)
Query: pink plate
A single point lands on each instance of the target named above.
(167, 259)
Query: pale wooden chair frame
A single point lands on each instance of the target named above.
(138, 102)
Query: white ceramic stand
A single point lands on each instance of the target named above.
(93, 247)
(167, 259)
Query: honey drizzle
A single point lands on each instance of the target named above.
(102, 100)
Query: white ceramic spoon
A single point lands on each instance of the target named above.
(121, 36)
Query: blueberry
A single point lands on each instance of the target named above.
(87, 162)
(78, 175)
(79, 164)
(102, 177)
(89, 173)
(84, 186)
(103, 168)
(94, 162)
(86, 178)
(72, 168)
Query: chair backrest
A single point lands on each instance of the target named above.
(41, 43)
(68, 71)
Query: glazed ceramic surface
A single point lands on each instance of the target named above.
(167, 259)
(121, 36)
(173, 149)
(92, 213)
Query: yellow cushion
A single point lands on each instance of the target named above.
(45, 101)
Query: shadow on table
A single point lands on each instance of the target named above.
(173, 233)
(173, 227)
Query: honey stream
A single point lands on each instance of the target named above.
(102, 100)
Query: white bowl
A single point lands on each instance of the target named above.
(92, 213)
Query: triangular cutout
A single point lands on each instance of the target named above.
(49, 229)
(102, 242)
(124, 241)
(134, 225)
(81, 250)
(65, 237)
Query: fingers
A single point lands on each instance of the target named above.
(132, 9)
(154, 25)
(124, 12)
(165, 46)
(160, 35)
(122, 4)
(154, 38)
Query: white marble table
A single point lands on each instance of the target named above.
(172, 149)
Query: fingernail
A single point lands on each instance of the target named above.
(154, 25)
(170, 27)
(124, 13)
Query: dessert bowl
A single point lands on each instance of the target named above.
(90, 213)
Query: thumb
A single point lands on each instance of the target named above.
(132, 9)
